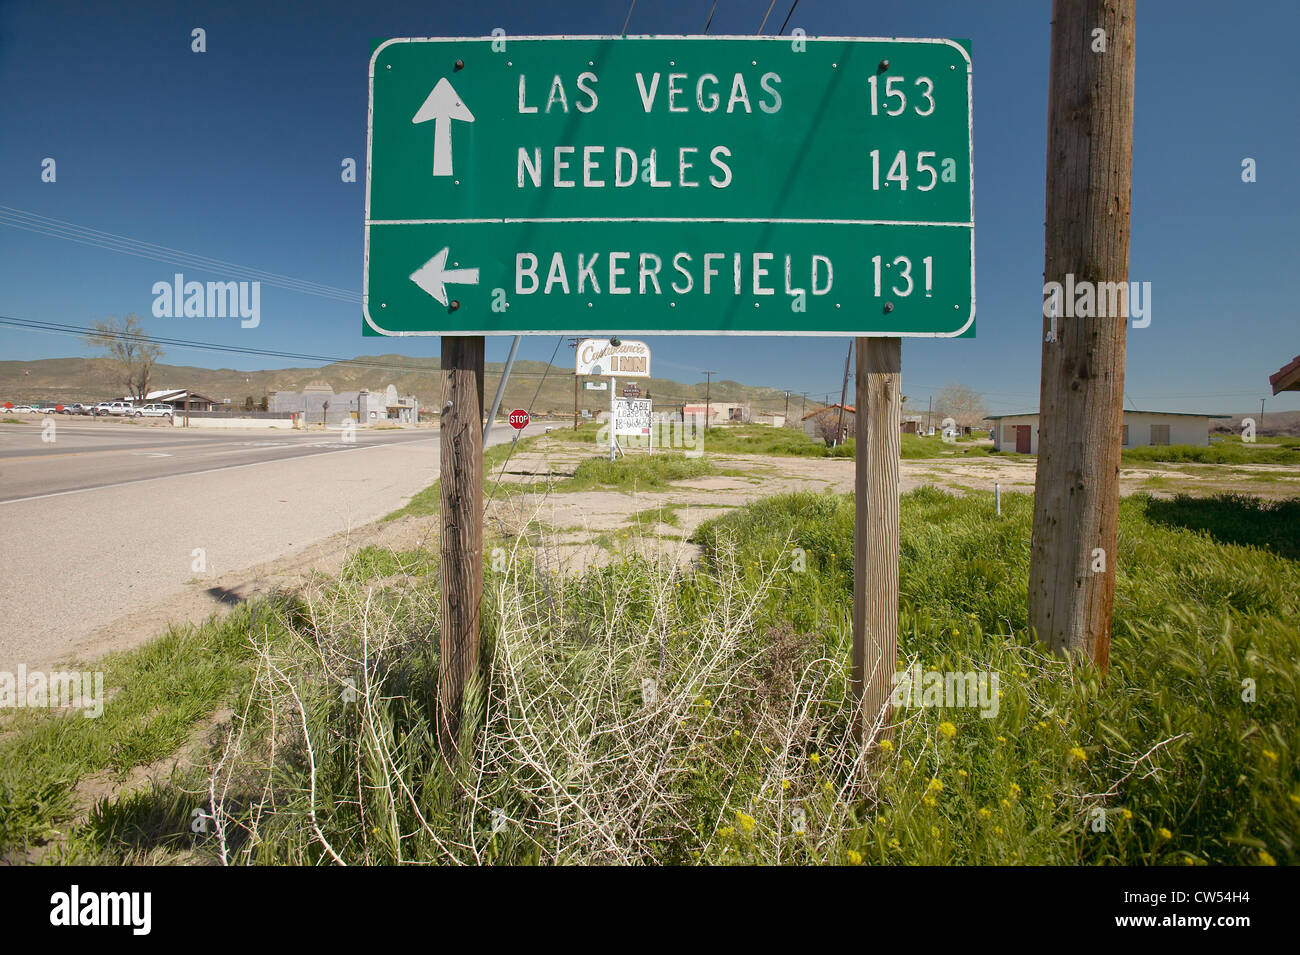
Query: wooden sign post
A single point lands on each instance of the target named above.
(481, 219)
(460, 573)
(1089, 186)
(875, 530)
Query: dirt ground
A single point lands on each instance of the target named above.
(571, 531)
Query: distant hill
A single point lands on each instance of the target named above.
(1274, 422)
(91, 379)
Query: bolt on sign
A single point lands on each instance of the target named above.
(670, 185)
(597, 356)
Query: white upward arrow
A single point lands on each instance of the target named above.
(433, 277)
(442, 105)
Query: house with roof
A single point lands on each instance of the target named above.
(1287, 378)
(176, 398)
(820, 424)
(1019, 432)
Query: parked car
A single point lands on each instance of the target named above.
(76, 408)
(154, 411)
(115, 408)
(47, 407)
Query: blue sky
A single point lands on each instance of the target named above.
(235, 154)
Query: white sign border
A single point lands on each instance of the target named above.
(586, 331)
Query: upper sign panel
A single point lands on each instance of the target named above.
(661, 185)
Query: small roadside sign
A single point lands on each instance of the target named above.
(632, 416)
(519, 419)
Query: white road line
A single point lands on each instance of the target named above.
(231, 467)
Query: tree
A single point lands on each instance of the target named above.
(962, 403)
(130, 350)
(826, 425)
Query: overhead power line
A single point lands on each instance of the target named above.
(61, 229)
(80, 331)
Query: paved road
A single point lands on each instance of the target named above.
(106, 519)
(90, 456)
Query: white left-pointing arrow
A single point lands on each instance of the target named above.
(434, 277)
(442, 105)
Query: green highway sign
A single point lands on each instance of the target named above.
(669, 185)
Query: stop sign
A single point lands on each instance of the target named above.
(519, 419)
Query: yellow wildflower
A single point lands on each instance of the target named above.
(1164, 834)
(745, 821)
(855, 857)
(1078, 753)
(947, 729)
(893, 844)
(985, 813)
(997, 830)
(1015, 789)
(1266, 859)
(935, 785)
(815, 758)
(929, 802)
(886, 746)
(785, 784)
(1126, 813)
(1270, 756)
(1002, 739)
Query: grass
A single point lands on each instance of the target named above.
(663, 514)
(642, 713)
(428, 502)
(637, 472)
(155, 696)
(1282, 451)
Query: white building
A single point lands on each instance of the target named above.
(1019, 432)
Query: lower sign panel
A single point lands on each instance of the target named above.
(670, 277)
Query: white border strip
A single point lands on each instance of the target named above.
(723, 219)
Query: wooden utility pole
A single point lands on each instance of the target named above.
(460, 573)
(875, 528)
(1089, 166)
(708, 382)
(573, 343)
(844, 394)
